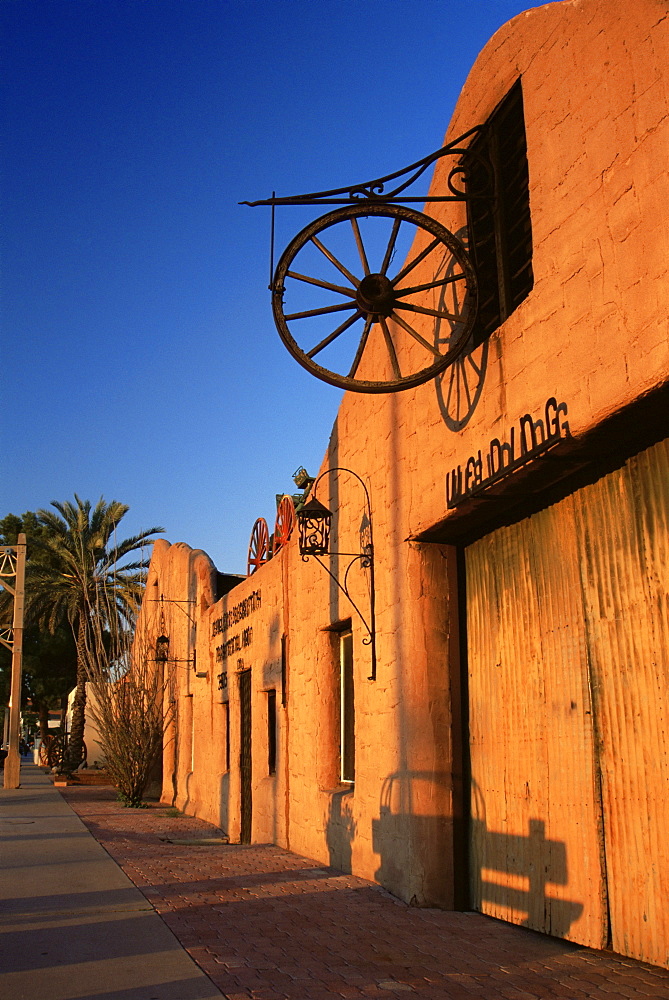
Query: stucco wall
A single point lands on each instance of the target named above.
(592, 333)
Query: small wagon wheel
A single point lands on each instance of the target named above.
(56, 749)
(338, 295)
(44, 752)
(258, 546)
(285, 522)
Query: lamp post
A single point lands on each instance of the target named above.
(314, 520)
(14, 564)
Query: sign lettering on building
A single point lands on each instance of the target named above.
(502, 458)
(237, 613)
(240, 640)
(233, 645)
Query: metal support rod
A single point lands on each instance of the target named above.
(372, 607)
(13, 761)
(271, 245)
(177, 602)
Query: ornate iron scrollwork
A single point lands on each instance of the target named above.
(375, 190)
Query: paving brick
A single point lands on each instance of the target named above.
(265, 924)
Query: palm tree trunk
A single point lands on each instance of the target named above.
(74, 753)
(43, 712)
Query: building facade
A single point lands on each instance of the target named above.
(501, 745)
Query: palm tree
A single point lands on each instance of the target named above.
(78, 578)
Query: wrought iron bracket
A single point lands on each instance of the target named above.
(374, 297)
(173, 600)
(366, 560)
(375, 190)
(378, 191)
(162, 600)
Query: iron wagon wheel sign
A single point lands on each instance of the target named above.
(258, 546)
(337, 286)
(284, 524)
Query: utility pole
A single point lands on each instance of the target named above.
(13, 563)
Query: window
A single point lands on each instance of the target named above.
(346, 707)
(500, 229)
(271, 732)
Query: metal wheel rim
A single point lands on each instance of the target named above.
(404, 214)
(258, 546)
(285, 523)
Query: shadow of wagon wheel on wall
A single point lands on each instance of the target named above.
(459, 387)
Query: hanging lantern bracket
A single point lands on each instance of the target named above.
(314, 520)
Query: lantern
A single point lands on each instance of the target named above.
(162, 649)
(314, 526)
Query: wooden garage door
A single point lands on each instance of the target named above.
(568, 658)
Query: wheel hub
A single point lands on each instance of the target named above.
(375, 295)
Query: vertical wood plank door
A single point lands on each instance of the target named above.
(623, 529)
(568, 663)
(536, 846)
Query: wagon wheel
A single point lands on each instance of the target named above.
(334, 301)
(55, 748)
(52, 751)
(285, 522)
(44, 754)
(258, 546)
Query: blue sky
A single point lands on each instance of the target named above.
(139, 355)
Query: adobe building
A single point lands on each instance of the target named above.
(501, 744)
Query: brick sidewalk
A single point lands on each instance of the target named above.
(265, 924)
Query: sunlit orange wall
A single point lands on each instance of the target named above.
(593, 333)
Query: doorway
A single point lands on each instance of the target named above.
(245, 759)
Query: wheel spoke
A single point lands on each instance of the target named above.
(361, 248)
(416, 261)
(368, 294)
(391, 348)
(414, 333)
(361, 347)
(322, 311)
(439, 313)
(390, 249)
(429, 284)
(333, 260)
(335, 333)
(322, 284)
